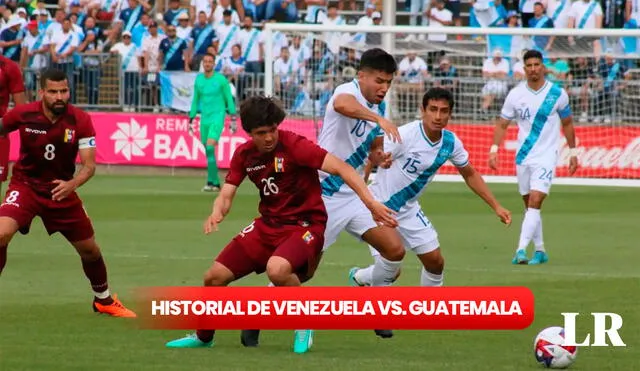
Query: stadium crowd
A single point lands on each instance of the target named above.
(78, 36)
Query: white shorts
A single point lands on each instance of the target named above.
(416, 231)
(346, 213)
(535, 177)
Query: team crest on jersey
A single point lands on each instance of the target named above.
(307, 237)
(278, 164)
(69, 134)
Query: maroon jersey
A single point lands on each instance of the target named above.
(287, 178)
(10, 82)
(48, 150)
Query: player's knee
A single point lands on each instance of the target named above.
(433, 262)
(8, 228)
(393, 251)
(218, 275)
(279, 270)
(87, 249)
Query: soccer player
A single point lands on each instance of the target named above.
(287, 239)
(540, 108)
(11, 86)
(52, 132)
(212, 96)
(426, 146)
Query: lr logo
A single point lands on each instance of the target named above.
(601, 332)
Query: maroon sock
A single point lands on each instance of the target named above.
(96, 272)
(3, 257)
(205, 335)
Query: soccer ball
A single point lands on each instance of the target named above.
(549, 350)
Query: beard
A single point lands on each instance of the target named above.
(57, 108)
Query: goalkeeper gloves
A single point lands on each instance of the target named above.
(233, 126)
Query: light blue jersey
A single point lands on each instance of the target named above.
(415, 162)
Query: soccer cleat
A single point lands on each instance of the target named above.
(302, 341)
(539, 257)
(189, 341)
(115, 309)
(352, 277)
(210, 188)
(385, 334)
(520, 257)
(250, 338)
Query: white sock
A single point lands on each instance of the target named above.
(102, 295)
(271, 284)
(538, 241)
(384, 272)
(429, 279)
(529, 225)
(363, 276)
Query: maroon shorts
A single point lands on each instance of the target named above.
(251, 249)
(4, 159)
(68, 216)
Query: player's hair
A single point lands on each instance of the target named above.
(259, 111)
(438, 94)
(377, 59)
(51, 74)
(209, 55)
(531, 54)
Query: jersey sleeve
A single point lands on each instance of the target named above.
(564, 108)
(459, 157)
(10, 121)
(16, 82)
(195, 101)
(508, 111)
(304, 152)
(86, 132)
(237, 172)
(394, 148)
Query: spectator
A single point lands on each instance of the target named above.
(413, 73)
(131, 16)
(517, 70)
(375, 38)
(557, 70)
(104, 10)
(202, 37)
(495, 71)
(174, 11)
(172, 55)
(333, 39)
(151, 62)
(285, 76)
(129, 63)
(228, 34)
(79, 12)
(446, 75)
(316, 11)
(300, 52)
(183, 29)
(218, 61)
(11, 39)
(255, 9)
(22, 16)
(582, 82)
(418, 8)
(233, 66)
(43, 21)
(438, 16)
(63, 45)
(33, 58)
(454, 7)
(527, 11)
(56, 25)
(365, 21)
(91, 47)
(218, 13)
(540, 20)
(586, 14)
(198, 6)
(558, 11)
(282, 8)
(140, 30)
(253, 46)
(612, 74)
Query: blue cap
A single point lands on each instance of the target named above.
(513, 13)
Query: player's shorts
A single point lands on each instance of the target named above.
(416, 231)
(4, 158)
(535, 177)
(211, 128)
(348, 214)
(68, 216)
(300, 244)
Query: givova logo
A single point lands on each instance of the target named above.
(130, 139)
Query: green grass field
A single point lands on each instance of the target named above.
(150, 232)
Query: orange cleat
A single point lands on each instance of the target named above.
(115, 309)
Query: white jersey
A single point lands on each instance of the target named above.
(415, 162)
(347, 138)
(538, 115)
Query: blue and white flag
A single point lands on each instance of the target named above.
(176, 89)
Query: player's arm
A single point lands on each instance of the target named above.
(87, 153)
(335, 166)
(507, 114)
(195, 101)
(8, 123)
(566, 119)
(16, 85)
(228, 97)
(477, 184)
(221, 207)
(348, 105)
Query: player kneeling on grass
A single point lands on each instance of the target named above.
(287, 239)
(425, 147)
(52, 132)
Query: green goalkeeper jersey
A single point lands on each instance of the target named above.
(213, 96)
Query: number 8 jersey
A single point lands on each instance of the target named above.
(347, 138)
(48, 150)
(415, 162)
